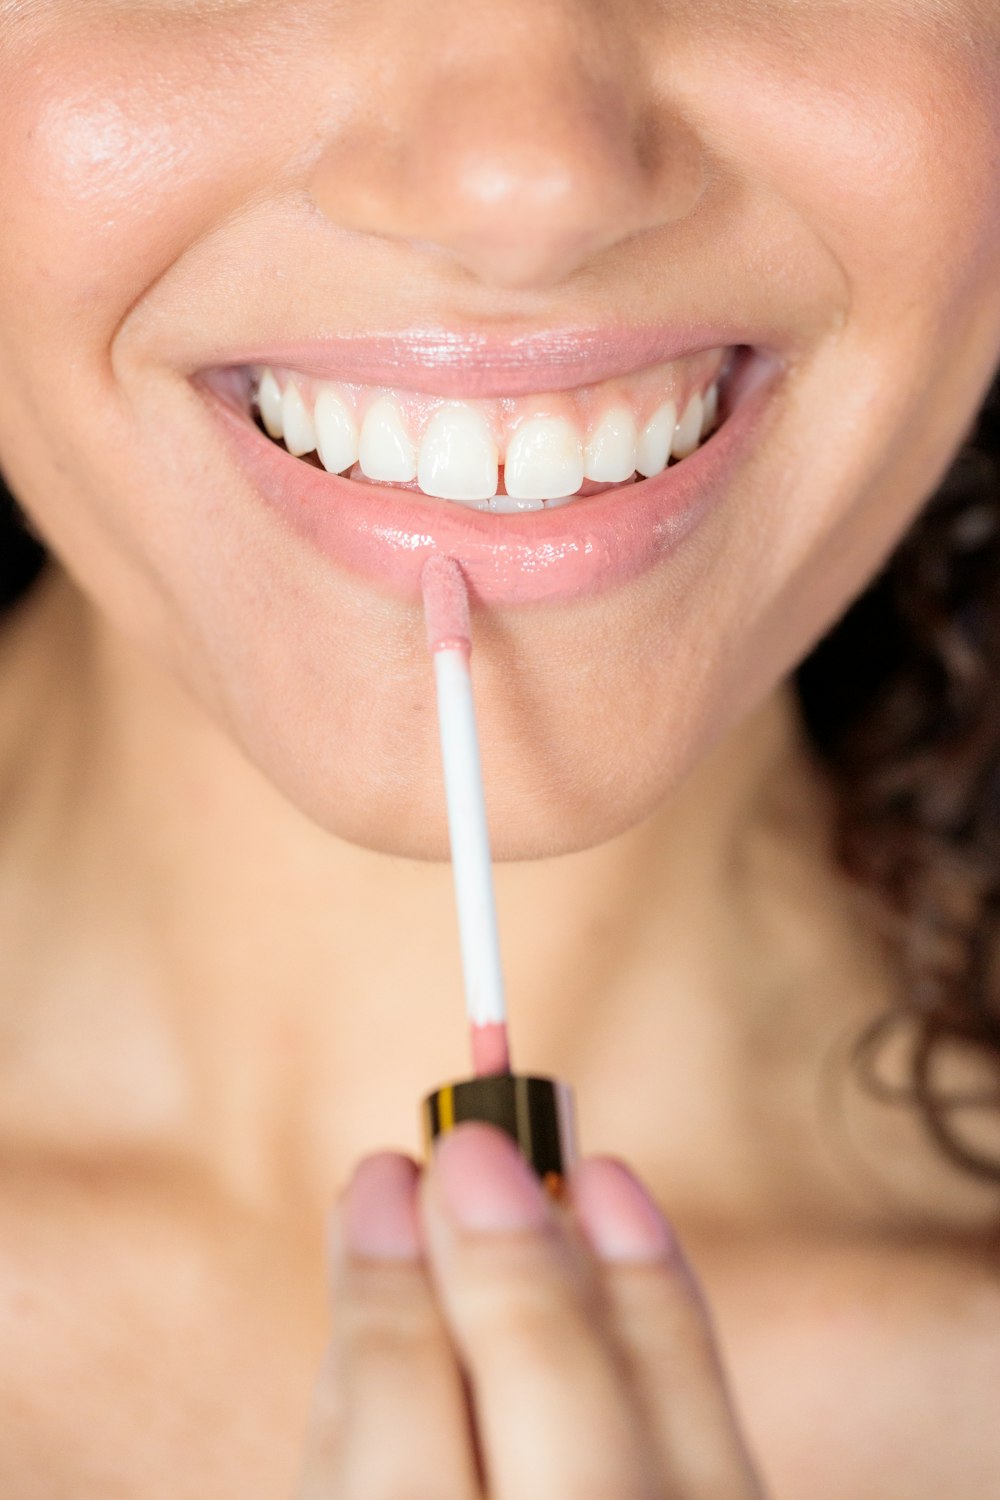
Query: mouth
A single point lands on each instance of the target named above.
(538, 493)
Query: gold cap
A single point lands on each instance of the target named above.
(537, 1113)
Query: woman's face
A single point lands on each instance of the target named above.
(556, 218)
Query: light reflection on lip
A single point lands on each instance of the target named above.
(476, 365)
(585, 547)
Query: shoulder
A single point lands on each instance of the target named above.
(870, 1369)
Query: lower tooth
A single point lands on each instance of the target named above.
(469, 504)
(509, 505)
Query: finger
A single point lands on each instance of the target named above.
(391, 1416)
(553, 1419)
(663, 1328)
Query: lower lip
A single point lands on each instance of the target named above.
(582, 548)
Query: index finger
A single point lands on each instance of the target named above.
(552, 1407)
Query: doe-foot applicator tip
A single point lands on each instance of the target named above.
(446, 604)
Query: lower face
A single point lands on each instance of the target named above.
(260, 356)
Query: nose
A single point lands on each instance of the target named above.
(522, 144)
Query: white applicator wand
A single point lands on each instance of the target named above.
(449, 636)
(536, 1112)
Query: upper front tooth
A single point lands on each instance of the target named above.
(653, 447)
(458, 457)
(610, 453)
(300, 435)
(688, 430)
(269, 404)
(386, 449)
(544, 460)
(336, 432)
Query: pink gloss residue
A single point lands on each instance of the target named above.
(490, 1048)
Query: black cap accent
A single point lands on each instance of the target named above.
(537, 1113)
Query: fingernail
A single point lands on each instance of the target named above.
(486, 1184)
(618, 1216)
(380, 1211)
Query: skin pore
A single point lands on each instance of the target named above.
(230, 964)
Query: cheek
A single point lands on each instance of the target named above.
(895, 172)
(86, 160)
(123, 139)
(109, 172)
(894, 168)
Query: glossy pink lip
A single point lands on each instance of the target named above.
(485, 365)
(386, 535)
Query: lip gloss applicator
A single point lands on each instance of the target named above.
(536, 1112)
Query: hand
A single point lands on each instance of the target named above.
(489, 1342)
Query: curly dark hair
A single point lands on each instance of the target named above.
(901, 703)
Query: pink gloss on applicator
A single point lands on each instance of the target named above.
(536, 1112)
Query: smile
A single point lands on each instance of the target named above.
(540, 494)
(505, 455)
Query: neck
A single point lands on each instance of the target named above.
(221, 977)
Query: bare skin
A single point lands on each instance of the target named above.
(172, 1143)
(229, 958)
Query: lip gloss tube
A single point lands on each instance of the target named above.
(536, 1112)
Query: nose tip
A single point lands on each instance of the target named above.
(520, 182)
(520, 210)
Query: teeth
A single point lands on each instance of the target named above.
(269, 403)
(653, 447)
(688, 429)
(458, 457)
(336, 433)
(711, 409)
(610, 453)
(300, 435)
(509, 505)
(386, 449)
(544, 460)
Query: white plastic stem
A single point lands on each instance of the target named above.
(470, 841)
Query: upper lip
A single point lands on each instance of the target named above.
(469, 364)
